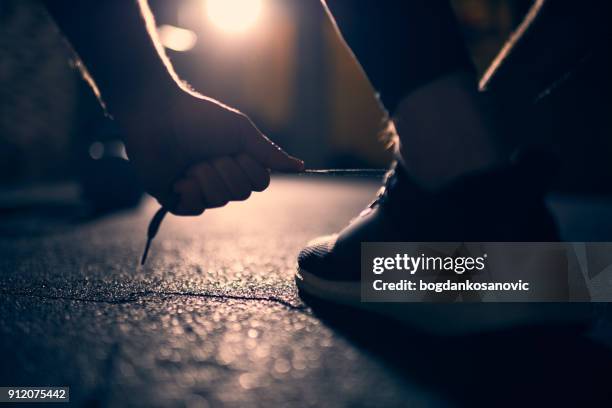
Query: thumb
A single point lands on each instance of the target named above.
(268, 154)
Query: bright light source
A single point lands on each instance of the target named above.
(233, 16)
(175, 38)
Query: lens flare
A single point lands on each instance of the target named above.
(234, 16)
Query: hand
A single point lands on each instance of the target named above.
(216, 182)
(193, 153)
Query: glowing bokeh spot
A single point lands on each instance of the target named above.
(234, 16)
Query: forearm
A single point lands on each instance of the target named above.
(112, 41)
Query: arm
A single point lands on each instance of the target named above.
(113, 42)
(553, 39)
(181, 142)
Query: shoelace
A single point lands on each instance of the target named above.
(382, 195)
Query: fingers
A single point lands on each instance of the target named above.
(190, 201)
(264, 151)
(215, 193)
(214, 183)
(258, 175)
(236, 181)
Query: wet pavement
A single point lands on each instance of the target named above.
(214, 318)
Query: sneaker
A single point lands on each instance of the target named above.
(503, 204)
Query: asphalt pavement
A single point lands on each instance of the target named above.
(214, 317)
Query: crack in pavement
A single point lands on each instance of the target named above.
(136, 296)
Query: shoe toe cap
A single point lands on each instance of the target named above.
(315, 256)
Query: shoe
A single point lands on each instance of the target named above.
(503, 204)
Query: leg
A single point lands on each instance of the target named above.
(401, 44)
(551, 80)
(435, 193)
(414, 54)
